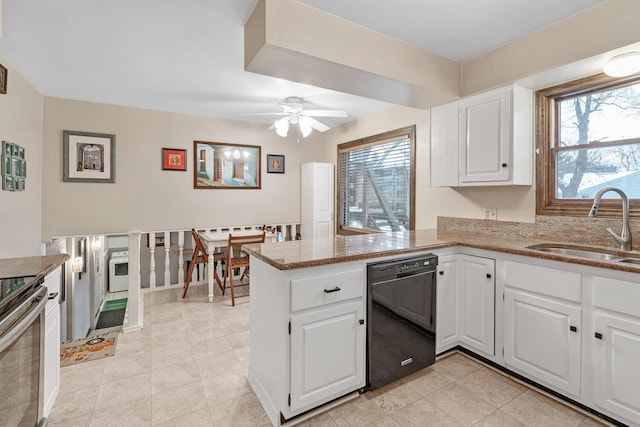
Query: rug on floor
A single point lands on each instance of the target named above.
(115, 304)
(94, 347)
(111, 318)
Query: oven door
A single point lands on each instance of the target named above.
(21, 360)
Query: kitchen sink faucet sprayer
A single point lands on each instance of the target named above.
(624, 239)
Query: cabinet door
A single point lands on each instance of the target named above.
(51, 378)
(616, 375)
(477, 295)
(444, 145)
(485, 137)
(542, 339)
(327, 354)
(447, 303)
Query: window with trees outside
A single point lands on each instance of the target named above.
(376, 183)
(588, 138)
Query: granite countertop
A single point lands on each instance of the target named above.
(31, 266)
(308, 253)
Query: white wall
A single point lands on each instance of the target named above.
(144, 196)
(512, 203)
(21, 112)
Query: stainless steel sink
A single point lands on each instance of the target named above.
(630, 260)
(586, 252)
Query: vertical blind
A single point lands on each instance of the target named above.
(375, 185)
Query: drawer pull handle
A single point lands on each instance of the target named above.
(53, 295)
(598, 335)
(328, 291)
(573, 329)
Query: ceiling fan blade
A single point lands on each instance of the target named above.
(266, 114)
(326, 113)
(320, 127)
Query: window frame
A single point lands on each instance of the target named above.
(546, 133)
(381, 138)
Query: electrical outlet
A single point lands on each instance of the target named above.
(491, 214)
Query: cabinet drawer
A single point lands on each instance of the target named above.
(617, 295)
(319, 290)
(548, 281)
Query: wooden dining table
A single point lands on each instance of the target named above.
(217, 239)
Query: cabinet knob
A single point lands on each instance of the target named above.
(504, 165)
(598, 335)
(441, 272)
(488, 275)
(328, 291)
(573, 328)
(361, 321)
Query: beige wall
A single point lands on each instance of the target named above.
(145, 197)
(512, 203)
(21, 123)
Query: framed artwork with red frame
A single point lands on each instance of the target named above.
(174, 159)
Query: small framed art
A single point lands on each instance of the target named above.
(89, 157)
(3, 79)
(174, 159)
(275, 163)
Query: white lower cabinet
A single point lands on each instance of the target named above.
(51, 369)
(616, 348)
(542, 339)
(447, 297)
(327, 353)
(477, 303)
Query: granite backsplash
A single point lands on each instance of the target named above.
(579, 230)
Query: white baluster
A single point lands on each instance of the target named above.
(152, 261)
(181, 258)
(283, 228)
(135, 307)
(167, 260)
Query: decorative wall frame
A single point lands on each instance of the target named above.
(89, 157)
(174, 159)
(275, 163)
(217, 165)
(13, 167)
(3, 79)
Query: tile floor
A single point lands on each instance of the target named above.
(187, 368)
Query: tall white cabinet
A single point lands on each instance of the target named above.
(317, 200)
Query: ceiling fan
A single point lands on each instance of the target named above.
(293, 114)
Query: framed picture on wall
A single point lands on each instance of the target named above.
(217, 165)
(89, 157)
(3, 79)
(174, 159)
(275, 163)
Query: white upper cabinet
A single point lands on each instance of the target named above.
(484, 139)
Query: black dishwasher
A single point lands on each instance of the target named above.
(401, 312)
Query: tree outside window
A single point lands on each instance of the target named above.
(376, 183)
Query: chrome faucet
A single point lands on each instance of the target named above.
(624, 239)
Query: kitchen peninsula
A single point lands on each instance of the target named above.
(494, 293)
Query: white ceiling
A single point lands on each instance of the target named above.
(187, 56)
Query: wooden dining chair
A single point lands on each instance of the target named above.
(237, 258)
(200, 256)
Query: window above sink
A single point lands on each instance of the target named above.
(588, 138)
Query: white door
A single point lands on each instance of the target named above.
(317, 201)
(477, 295)
(616, 373)
(327, 354)
(485, 137)
(542, 339)
(447, 303)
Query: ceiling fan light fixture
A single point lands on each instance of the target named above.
(305, 126)
(623, 65)
(282, 126)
